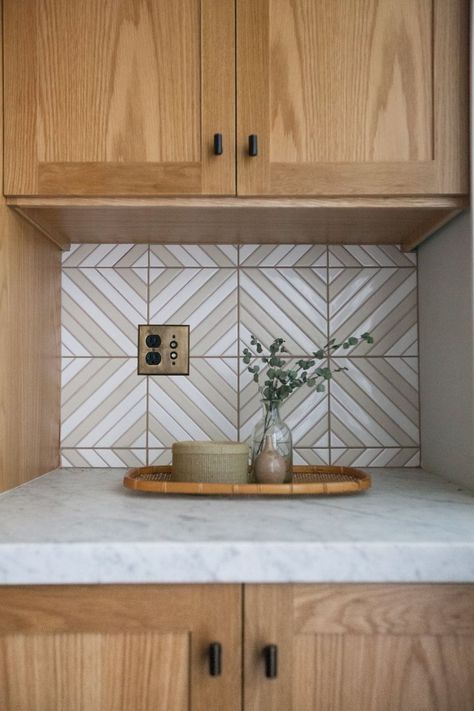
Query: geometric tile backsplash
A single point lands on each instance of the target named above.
(306, 293)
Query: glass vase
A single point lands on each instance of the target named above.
(271, 448)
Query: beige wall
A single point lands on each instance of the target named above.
(446, 318)
(446, 323)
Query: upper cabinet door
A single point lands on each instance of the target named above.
(119, 97)
(367, 97)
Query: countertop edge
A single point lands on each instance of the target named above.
(237, 562)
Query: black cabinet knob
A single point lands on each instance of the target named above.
(215, 659)
(218, 147)
(270, 655)
(253, 145)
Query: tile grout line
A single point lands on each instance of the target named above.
(238, 342)
(418, 361)
(260, 268)
(329, 357)
(147, 412)
(211, 357)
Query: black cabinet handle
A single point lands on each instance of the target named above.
(253, 145)
(215, 659)
(218, 147)
(270, 654)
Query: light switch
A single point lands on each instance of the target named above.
(163, 350)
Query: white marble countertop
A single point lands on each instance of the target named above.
(82, 526)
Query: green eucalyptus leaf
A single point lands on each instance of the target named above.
(320, 388)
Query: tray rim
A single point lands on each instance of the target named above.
(364, 482)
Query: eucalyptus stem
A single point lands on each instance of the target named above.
(266, 425)
(282, 379)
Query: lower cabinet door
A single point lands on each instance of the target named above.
(359, 647)
(120, 648)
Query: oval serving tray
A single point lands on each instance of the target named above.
(307, 481)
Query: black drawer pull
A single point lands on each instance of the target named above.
(253, 145)
(218, 147)
(215, 659)
(270, 654)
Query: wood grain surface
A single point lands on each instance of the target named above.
(119, 98)
(240, 220)
(30, 292)
(120, 648)
(363, 97)
(375, 647)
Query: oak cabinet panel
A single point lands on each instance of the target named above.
(338, 647)
(119, 98)
(371, 647)
(367, 97)
(120, 648)
(348, 98)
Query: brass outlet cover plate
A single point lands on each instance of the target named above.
(173, 350)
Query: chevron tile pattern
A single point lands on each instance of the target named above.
(106, 255)
(283, 255)
(206, 299)
(356, 255)
(305, 413)
(103, 404)
(159, 457)
(375, 403)
(193, 255)
(380, 300)
(291, 303)
(305, 293)
(201, 406)
(103, 457)
(101, 309)
(375, 457)
(313, 457)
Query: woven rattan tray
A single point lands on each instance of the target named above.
(307, 481)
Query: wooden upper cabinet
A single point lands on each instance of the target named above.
(367, 97)
(123, 98)
(119, 98)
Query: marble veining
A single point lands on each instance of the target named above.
(82, 526)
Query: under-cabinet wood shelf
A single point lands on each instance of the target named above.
(349, 220)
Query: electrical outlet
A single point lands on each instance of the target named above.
(163, 350)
